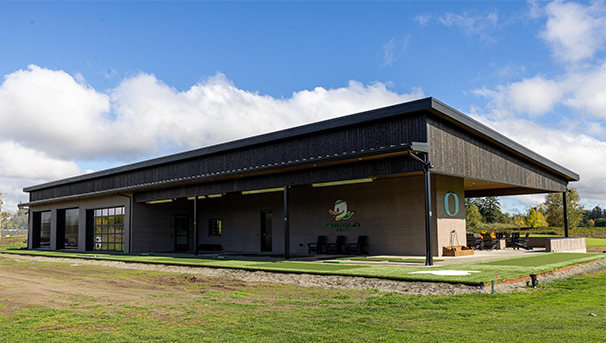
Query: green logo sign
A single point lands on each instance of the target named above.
(447, 206)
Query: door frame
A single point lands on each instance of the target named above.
(266, 235)
(185, 247)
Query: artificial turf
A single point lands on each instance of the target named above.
(536, 261)
(522, 266)
(386, 259)
(306, 267)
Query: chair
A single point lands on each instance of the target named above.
(522, 242)
(336, 248)
(473, 241)
(489, 242)
(319, 247)
(358, 248)
(509, 240)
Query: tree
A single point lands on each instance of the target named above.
(490, 208)
(535, 218)
(518, 220)
(473, 216)
(596, 213)
(554, 209)
(591, 223)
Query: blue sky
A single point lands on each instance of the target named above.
(190, 74)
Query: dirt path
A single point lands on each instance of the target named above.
(323, 281)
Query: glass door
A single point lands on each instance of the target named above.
(181, 233)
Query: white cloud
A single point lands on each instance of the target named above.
(479, 25)
(523, 95)
(533, 97)
(18, 161)
(575, 32)
(423, 19)
(52, 111)
(589, 91)
(579, 152)
(49, 119)
(394, 49)
(579, 90)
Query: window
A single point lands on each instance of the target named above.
(108, 226)
(45, 229)
(71, 228)
(214, 227)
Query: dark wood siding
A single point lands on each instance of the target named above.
(359, 170)
(457, 152)
(366, 136)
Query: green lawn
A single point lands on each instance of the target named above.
(486, 270)
(595, 242)
(115, 305)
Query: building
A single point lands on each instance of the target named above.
(364, 174)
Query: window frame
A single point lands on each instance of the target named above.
(108, 231)
(212, 230)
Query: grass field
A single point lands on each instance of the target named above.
(522, 266)
(14, 242)
(61, 302)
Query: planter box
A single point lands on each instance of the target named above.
(457, 250)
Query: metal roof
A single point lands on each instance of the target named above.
(429, 104)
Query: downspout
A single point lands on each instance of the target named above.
(130, 222)
(427, 177)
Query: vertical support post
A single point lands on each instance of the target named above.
(565, 200)
(286, 225)
(196, 225)
(428, 242)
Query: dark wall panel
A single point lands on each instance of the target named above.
(458, 152)
(379, 167)
(365, 136)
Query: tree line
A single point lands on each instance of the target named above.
(550, 213)
(13, 223)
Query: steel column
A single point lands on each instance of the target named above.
(286, 225)
(196, 225)
(565, 201)
(428, 243)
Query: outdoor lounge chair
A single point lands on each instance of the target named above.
(522, 242)
(336, 248)
(490, 243)
(358, 248)
(509, 240)
(319, 247)
(473, 241)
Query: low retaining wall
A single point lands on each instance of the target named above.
(565, 244)
(537, 242)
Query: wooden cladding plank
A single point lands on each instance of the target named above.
(379, 167)
(394, 130)
(458, 152)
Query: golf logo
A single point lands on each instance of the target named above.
(340, 212)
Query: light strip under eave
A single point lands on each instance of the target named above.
(159, 201)
(344, 182)
(199, 197)
(266, 190)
